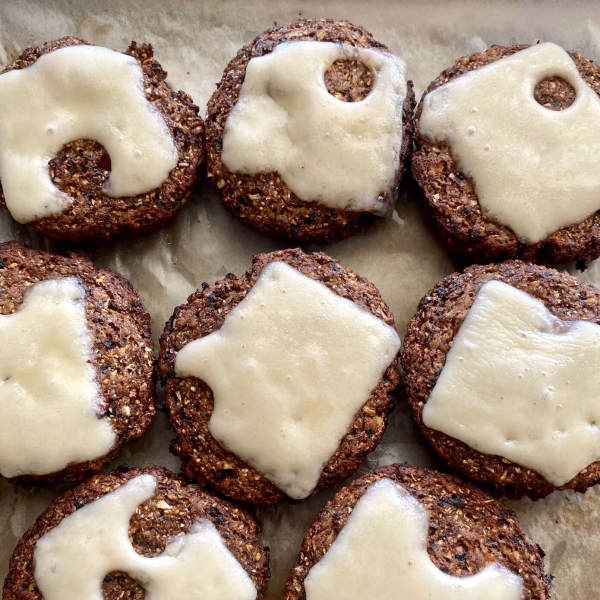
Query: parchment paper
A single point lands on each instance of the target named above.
(402, 256)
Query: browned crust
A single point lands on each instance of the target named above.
(82, 167)
(428, 340)
(189, 401)
(172, 512)
(452, 201)
(467, 530)
(119, 325)
(264, 201)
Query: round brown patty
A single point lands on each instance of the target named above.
(172, 512)
(82, 167)
(429, 338)
(119, 327)
(264, 201)
(451, 199)
(468, 530)
(189, 401)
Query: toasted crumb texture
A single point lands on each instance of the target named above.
(451, 199)
(82, 167)
(468, 530)
(119, 326)
(264, 201)
(172, 512)
(349, 80)
(428, 340)
(189, 401)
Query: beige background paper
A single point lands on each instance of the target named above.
(194, 41)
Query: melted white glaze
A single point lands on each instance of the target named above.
(49, 400)
(381, 554)
(72, 559)
(521, 384)
(535, 170)
(341, 154)
(289, 369)
(74, 93)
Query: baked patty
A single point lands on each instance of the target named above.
(467, 530)
(451, 199)
(119, 326)
(173, 511)
(189, 401)
(264, 201)
(428, 340)
(82, 167)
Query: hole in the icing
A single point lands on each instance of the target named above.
(349, 80)
(82, 165)
(120, 585)
(554, 93)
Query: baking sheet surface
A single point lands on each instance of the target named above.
(402, 256)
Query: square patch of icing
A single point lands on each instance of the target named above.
(521, 384)
(289, 369)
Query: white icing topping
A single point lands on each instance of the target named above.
(72, 559)
(381, 554)
(49, 400)
(78, 92)
(341, 154)
(289, 369)
(521, 384)
(535, 170)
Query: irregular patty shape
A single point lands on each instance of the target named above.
(172, 512)
(50, 414)
(522, 384)
(190, 401)
(381, 554)
(468, 531)
(451, 197)
(304, 360)
(81, 92)
(344, 155)
(121, 353)
(264, 201)
(431, 334)
(82, 168)
(73, 559)
(534, 169)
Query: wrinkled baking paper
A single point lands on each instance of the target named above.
(402, 256)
